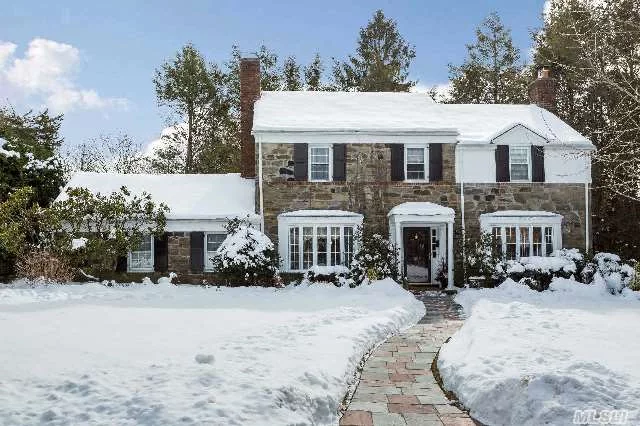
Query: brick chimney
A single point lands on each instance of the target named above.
(249, 93)
(542, 91)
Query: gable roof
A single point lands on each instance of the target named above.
(403, 113)
(187, 196)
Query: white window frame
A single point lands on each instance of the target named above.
(285, 223)
(527, 149)
(309, 162)
(553, 222)
(425, 147)
(151, 268)
(208, 266)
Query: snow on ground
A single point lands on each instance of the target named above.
(162, 354)
(531, 358)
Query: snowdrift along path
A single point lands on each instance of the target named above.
(166, 355)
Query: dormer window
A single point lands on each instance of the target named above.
(320, 163)
(520, 163)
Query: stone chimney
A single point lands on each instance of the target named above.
(249, 94)
(542, 91)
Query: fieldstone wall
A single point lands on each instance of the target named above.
(179, 252)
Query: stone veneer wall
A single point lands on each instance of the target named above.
(179, 251)
(368, 190)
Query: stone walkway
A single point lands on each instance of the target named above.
(397, 387)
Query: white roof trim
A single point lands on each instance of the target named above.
(321, 214)
(414, 208)
(513, 126)
(520, 213)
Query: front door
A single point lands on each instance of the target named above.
(417, 259)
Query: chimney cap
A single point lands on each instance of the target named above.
(250, 58)
(544, 72)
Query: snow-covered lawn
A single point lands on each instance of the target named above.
(161, 354)
(529, 358)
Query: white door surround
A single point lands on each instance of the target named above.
(438, 219)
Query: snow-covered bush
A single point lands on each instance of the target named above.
(246, 257)
(337, 275)
(482, 259)
(635, 284)
(608, 270)
(537, 272)
(376, 258)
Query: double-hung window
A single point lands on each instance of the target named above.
(212, 243)
(520, 163)
(416, 163)
(320, 163)
(141, 259)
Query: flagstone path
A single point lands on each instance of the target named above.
(397, 387)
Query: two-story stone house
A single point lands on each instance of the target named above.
(426, 173)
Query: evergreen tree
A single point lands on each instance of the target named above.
(198, 109)
(381, 62)
(313, 74)
(492, 72)
(291, 75)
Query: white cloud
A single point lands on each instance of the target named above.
(46, 74)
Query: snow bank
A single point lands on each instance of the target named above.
(530, 358)
(180, 354)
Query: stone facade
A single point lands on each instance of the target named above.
(369, 190)
(179, 252)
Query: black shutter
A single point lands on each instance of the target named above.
(197, 252)
(121, 264)
(301, 161)
(397, 162)
(502, 163)
(339, 162)
(160, 253)
(435, 162)
(537, 163)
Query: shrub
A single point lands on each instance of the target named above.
(376, 258)
(537, 272)
(336, 275)
(635, 284)
(607, 269)
(42, 265)
(482, 258)
(246, 257)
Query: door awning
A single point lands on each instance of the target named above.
(424, 210)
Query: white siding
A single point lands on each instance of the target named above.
(476, 164)
(519, 135)
(565, 165)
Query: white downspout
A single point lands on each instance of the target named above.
(261, 193)
(586, 216)
(464, 229)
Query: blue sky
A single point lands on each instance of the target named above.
(94, 61)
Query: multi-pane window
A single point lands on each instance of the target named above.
(335, 246)
(519, 157)
(348, 245)
(416, 163)
(319, 162)
(510, 242)
(321, 245)
(307, 247)
(294, 248)
(141, 259)
(212, 242)
(516, 241)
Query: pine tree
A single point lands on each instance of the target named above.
(313, 74)
(492, 72)
(291, 75)
(381, 62)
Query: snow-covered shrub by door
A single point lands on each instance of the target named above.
(537, 272)
(337, 275)
(375, 259)
(608, 269)
(482, 260)
(246, 257)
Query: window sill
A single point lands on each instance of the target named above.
(138, 271)
(416, 181)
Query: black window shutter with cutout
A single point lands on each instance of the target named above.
(121, 264)
(502, 163)
(339, 162)
(537, 163)
(197, 252)
(301, 161)
(435, 162)
(397, 162)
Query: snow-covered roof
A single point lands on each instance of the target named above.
(400, 113)
(421, 209)
(188, 196)
(521, 213)
(320, 213)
